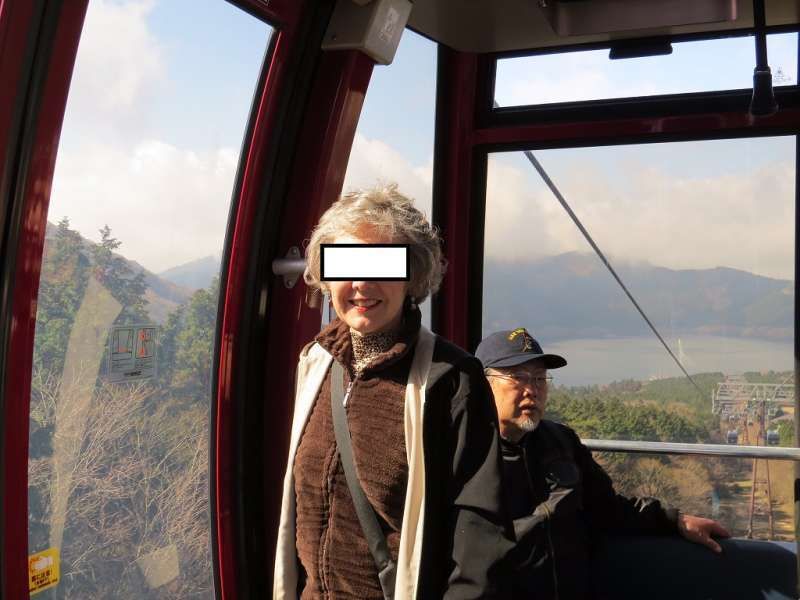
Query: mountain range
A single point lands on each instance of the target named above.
(195, 275)
(573, 296)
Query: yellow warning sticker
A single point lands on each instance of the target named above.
(43, 570)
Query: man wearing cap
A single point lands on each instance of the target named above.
(558, 496)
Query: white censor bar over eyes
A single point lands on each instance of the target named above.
(364, 262)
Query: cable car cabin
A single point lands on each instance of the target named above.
(773, 438)
(618, 179)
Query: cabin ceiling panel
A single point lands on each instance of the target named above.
(512, 25)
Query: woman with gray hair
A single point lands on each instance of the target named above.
(418, 515)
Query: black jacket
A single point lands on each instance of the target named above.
(467, 533)
(561, 500)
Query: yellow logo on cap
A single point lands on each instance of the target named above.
(527, 340)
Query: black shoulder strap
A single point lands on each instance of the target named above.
(387, 568)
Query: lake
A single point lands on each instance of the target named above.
(598, 361)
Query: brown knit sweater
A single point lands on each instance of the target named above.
(331, 546)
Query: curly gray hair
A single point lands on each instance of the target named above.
(385, 210)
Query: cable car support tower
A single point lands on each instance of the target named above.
(747, 403)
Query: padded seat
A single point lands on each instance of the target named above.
(672, 568)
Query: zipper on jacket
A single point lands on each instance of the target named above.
(347, 393)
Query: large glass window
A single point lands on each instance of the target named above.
(698, 66)
(118, 467)
(702, 235)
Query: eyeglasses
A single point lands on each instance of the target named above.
(526, 379)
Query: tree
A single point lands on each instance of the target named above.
(65, 272)
(113, 272)
(168, 345)
(786, 433)
(194, 344)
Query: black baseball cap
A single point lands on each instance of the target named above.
(514, 347)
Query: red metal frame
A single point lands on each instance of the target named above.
(282, 14)
(36, 197)
(286, 16)
(16, 20)
(579, 133)
(459, 180)
(453, 189)
(318, 174)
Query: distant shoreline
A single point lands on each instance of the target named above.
(598, 361)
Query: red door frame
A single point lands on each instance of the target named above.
(320, 151)
(285, 16)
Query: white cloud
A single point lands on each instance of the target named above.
(166, 205)
(743, 220)
(120, 62)
(566, 78)
(374, 162)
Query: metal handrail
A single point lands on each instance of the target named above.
(694, 449)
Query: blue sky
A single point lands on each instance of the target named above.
(207, 74)
(195, 48)
(162, 90)
(401, 100)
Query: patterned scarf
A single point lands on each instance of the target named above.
(367, 347)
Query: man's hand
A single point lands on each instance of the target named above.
(699, 530)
